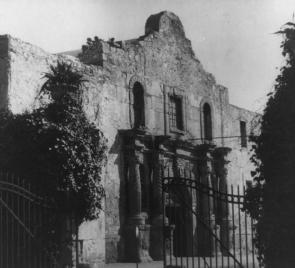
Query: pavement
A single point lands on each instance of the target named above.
(154, 264)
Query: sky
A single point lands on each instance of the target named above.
(234, 39)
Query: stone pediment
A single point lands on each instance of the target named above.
(166, 22)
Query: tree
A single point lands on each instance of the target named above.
(271, 199)
(56, 146)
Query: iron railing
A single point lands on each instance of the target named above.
(23, 214)
(208, 227)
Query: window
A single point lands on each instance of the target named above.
(175, 112)
(207, 122)
(243, 132)
(138, 105)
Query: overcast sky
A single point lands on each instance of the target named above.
(233, 38)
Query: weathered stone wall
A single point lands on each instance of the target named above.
(240, 165)
(163, 62)
(27, 66)
(164, 59)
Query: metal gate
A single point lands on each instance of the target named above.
(23, 215)
(204, 227)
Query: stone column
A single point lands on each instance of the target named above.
(221, 170)
(137, 232)
(157, 182)
(146, 191)
(134, 190)
(206, 222)
(157, 237)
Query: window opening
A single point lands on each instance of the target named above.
(175, 113)
(207, 122)
(138, 105)
(243, 132)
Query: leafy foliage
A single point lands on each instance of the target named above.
(271, 200)
(56, 146)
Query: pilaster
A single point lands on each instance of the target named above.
(137, 231)
(222, 211)
(206, 228)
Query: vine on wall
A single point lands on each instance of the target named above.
(271, 199)
(57, 147)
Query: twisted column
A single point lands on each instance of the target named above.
(222, 210)
(135, 191)
(206, 220)
(158, 214)
(137, 231)
(157, 182)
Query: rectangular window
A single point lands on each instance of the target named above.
(175, 113)
(243, 132)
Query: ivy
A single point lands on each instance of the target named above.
(56, 146)
(271, 199)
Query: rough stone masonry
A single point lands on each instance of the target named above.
(160, 111)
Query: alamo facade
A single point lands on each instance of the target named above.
(161, 113)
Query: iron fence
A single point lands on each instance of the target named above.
(206, 227)
(23, 214)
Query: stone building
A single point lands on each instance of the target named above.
(160, 111)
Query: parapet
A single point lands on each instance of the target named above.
(164, 22)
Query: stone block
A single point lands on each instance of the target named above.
(138, 237)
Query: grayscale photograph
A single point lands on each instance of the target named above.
(147, 134)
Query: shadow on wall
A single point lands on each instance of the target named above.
(115, 241)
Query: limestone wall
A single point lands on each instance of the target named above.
(27, 66)
(162, 61)
(240, 166)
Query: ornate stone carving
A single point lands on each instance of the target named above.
(134, 79)
(135, 158)
(137, 232)
(206, 203)
(222, 211)
(157, 181)
(158, 219)
(221, 161)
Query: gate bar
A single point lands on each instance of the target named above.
(211, 232)
(240, 229)
(164, 216)
(246, 234)
(233, 223)
(16, 217)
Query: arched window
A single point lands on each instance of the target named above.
(207, 122)
(138, 105)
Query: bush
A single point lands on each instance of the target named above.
(271, 200)
(56, 146)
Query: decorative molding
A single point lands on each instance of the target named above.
(135, 78)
